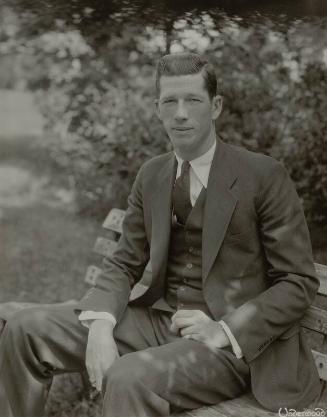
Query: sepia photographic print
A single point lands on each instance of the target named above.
(163, 208)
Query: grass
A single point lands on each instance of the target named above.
(67, 399)
(45, 253)
(44, 256)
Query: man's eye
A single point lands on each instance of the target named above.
(195, 100)
(169, 101)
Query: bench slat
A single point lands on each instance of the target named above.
(321, 363)
(92, 274)
(315, 319)
(104, 247)
(322, 275)
(114, 220)
(245, 406)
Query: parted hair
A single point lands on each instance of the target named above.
(186, 64)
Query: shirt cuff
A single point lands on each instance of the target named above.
(235, 346)
(87, 317)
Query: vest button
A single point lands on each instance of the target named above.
(189, 266)
(191, 249)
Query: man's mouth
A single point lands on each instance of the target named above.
(182, 128)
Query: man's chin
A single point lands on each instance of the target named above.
(185, 152)
(182, 139)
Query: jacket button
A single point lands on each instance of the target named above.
(189, 266)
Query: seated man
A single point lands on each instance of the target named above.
(233, 274)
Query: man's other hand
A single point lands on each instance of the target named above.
(101, 351)
(194, 324)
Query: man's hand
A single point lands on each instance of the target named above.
(194, 324)
(101, 351)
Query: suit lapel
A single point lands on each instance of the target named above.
(161, 208)
(219, 206)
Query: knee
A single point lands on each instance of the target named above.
(126, 374)
(28, 321)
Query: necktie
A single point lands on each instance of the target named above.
(181, 194)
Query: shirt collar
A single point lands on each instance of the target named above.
(200, 165)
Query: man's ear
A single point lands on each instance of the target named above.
(217, 106)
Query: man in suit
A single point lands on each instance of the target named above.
(232, 275)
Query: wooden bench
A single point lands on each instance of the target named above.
(314, 323)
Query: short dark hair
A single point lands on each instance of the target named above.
(185, 64)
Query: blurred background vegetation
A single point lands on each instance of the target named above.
(88, 66)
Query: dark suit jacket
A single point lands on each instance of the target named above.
(258, 273)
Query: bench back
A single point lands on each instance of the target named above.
(314, 321)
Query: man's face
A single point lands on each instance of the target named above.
(188, 114)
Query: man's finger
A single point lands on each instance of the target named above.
(98, 385)
(90, 374)
(184, 313)
(92, 381)
(192, 336)
(173, 328)
(188, 330)
(184, 322)
(98, 380)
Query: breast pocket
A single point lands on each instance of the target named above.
(242, 225)
(242, 237)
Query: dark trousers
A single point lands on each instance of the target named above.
(157, 371)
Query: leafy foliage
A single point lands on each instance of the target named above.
(275, 101)
(96, 91)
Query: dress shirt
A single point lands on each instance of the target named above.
(199, 172)
(199, 175)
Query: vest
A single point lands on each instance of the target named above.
(184, 266)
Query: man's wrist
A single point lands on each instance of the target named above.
(102, 324)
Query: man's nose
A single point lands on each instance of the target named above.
(181, 111)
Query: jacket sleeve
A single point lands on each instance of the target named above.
(291, 277)
(125, 267)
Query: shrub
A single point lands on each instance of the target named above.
(98, 102)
